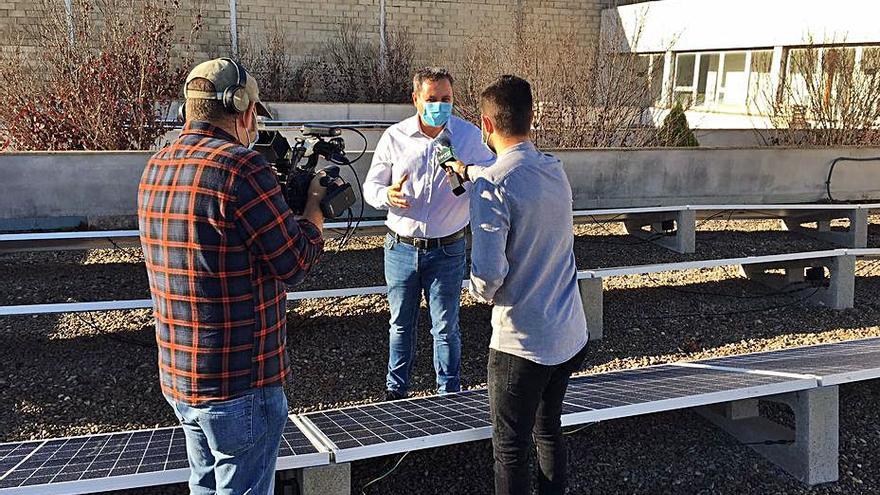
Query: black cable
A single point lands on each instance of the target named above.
(125, 340)
(728, 313)
(609, 233)
(774, 293)
(834, 164)
(770, 442)
(350, 230)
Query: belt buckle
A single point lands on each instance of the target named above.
(420, 243)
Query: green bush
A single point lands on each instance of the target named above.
(675, 131)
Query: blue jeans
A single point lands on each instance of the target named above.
(232, 445)
(438, 274)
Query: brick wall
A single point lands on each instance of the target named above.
(438, 28)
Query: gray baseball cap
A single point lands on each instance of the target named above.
(223, 73)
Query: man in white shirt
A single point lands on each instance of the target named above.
(425, 245)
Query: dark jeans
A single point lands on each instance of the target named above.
(525, 401)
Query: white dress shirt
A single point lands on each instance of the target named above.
(434, 211)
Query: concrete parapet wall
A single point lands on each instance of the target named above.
(93, 185)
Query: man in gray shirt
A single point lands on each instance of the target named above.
(523, 263)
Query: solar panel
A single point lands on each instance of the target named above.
(379, 429)
(386, 428)
(831, 364)
(120, 460)
(661, 388)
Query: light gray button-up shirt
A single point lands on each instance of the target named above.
(523, 256)
(434, 211)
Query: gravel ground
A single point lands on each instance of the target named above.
(96, 372)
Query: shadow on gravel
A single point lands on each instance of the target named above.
(62, 377)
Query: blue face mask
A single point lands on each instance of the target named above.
(436, 113)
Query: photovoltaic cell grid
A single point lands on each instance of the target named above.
(650, 385)
(159, 452)
(100, 456)
(833, 363)
(396, 426)
(378, 429)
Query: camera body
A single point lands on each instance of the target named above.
(296, 167)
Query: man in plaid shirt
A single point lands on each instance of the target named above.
(220, 245)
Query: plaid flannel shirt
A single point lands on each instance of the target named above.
(220, 243)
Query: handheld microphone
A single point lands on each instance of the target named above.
(444, 155)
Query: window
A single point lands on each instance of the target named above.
(803, 64)
(720, 80)
(870, 64)
(658, 62)
(651, 68)
(685, 69)
(761, 96)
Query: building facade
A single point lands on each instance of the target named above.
(731, 62)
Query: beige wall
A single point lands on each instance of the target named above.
(436, 26)
(309, 23)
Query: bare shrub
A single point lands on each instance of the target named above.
(597, 97)
(356, 71)
(826, 98)
(282, 76)
(101, 90)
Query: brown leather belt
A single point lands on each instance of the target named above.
(422, 243)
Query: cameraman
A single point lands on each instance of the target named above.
(523, 262)
(425, 245)
(220, 243)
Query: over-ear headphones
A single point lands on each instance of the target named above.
(235, 98)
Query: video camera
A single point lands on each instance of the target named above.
(295, 177)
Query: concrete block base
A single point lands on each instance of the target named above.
(809, 452)
(856, 236)
(334, 479)
(837, 291)
(681, 239)
(593, 299)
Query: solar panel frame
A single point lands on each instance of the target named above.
(836, 364)
(175, 467)
(363, 427)
(580, 393)
(476, 410)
